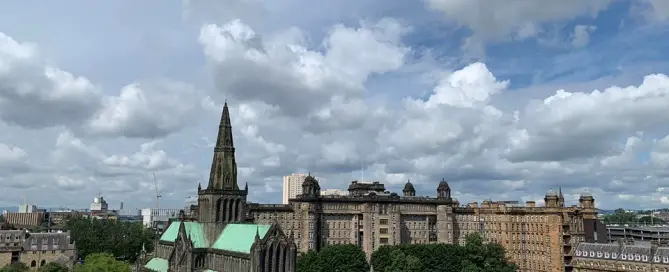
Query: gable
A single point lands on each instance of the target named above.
(194, 231)
(240, 237)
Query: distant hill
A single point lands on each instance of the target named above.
(10, 209)
(606, 211)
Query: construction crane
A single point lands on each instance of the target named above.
(158, 195)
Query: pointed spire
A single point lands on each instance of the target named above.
(199, 186)
(257, 238)
(223, 174)
(225, 129)
(246, 187)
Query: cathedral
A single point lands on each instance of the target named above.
(219, 235)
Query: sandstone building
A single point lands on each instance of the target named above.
(536, 238)
(220, 236)
(36, 249)
(620, 257)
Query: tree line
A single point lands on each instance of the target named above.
(474, 256)
(97, 262)
(620, 216)
(104, 245)
(122, 240)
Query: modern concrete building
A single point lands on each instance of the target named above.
(617, 233)
(27, 208)
(292, 186)
(158, 218)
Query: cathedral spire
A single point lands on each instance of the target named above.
(223, 175)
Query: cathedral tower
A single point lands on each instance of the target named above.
(222, 201)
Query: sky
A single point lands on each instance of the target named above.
(503, 99)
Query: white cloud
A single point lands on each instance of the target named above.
(500, 20)
(581, 35)
(331, 99)
(37, 95)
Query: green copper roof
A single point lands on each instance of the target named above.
(240, 237)
(157, 264)
(194, 230)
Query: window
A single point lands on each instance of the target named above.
(383, 221)
(42, 263)
(384, 241)
(33, 263)
(383, 231)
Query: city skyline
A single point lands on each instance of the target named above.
(103, 95)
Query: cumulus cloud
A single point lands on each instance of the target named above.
(337, 101)
(35, 94)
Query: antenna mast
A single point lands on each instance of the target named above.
(362, 172)
(158, 195)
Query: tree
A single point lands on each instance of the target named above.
(475, 256)
(403, 263)
(334, 258)
(102, 262)
(307, 262)
(485, 257)
(15, 267)
(124, 240)
(53, 267)
(414, 265)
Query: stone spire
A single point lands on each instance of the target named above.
(223, 175)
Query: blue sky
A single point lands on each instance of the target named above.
(403, 94)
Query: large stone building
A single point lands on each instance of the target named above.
(220, 236)
(621, 256)
(536, 238)
(36, 249)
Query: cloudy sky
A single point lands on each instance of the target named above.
(504, 99)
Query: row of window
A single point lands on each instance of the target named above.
(626, 257)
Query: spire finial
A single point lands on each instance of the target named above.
(257, 238)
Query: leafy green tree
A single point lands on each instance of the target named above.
(342, 258)
(15, 267)
(486, 257)
(398, 261)
(53, 267)
(124, 240)
(102, 262)
(414, 265)
(403, 263)
(381, 258)
(307, 262)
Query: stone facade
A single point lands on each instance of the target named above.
(219, 235)
(36, 249)
(536, 238)
(590, 257)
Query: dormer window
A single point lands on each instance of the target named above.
(644, 258)
(630, 257)
(637, 257)
(578, 253)
(623, 256)
(592, 254)
(599, 254)
(607, 255)
(665, 259)
(614, 255)
(656, 259)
